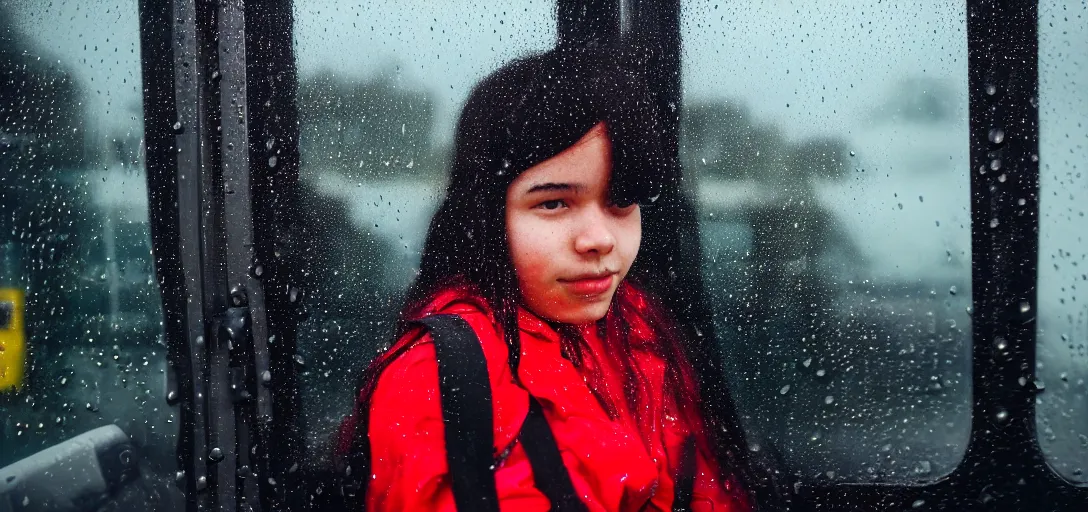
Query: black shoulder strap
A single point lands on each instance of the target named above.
(684, 486)
(549, 473)
(466, 412)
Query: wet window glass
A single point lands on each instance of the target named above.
(1062, 359)
(81, 337)
(827, 144)
(380, 88)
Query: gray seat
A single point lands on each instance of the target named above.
(77, 475)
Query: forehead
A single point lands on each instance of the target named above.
(588, 163)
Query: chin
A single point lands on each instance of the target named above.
(583, 313)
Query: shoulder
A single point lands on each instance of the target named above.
(413, 355)
(406, 395)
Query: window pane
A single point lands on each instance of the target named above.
(74, 240)
(380, 88)
(828, 144)
(1062, 360)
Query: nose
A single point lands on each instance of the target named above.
(594, 234)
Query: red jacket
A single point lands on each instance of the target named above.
(619, 464)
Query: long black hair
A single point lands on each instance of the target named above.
(524, 113)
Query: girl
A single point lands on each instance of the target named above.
(558, 157)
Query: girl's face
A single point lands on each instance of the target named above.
(570, 246)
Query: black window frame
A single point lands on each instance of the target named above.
(219, 84)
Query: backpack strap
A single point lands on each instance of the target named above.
(465, 393)
(549, 473)
(684, 486)
(467, 414)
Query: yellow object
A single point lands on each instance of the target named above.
(12, 339)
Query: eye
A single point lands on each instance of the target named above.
(622, 204)
(552, 204)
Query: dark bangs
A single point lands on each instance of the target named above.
(570, 91)
(534, 108)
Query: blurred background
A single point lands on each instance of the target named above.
(826, 148)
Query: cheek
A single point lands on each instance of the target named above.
(530, 244)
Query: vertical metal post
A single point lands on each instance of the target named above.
(202, 199)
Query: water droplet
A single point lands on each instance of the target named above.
(829, 399)
(807, 362)
(272, 161)
(1000, 343)
(266, 376)
(178, 128)
(1002, 415)
(991, 89)
(997, 136)
(1025, 306)
(918, 504)
(215, 455)
(179, 476)
(952, 290)
(785, 389)
(995, 164)
(994, 222)
(201, 483)
(853, 154)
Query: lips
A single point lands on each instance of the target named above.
(589, 285)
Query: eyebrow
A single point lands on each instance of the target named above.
(547, 187)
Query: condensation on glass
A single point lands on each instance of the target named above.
(380, 88)
(74, 238)
(827, 144)
(1062, 359)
